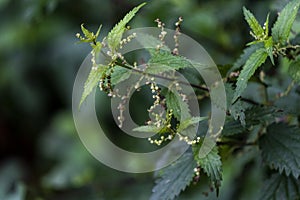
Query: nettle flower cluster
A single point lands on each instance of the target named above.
(160, 121)
(170, 114)
(249, 124)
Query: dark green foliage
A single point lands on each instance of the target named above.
(211, 165)
(280, 187)
(282, 28)
(248, 122)
(281, 150)
(256, 156)
(174, 178)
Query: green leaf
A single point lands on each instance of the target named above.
(88, 35)
(255, 61)
(253, 116)
(189, 122)
(211, 164)
(284, 23)
(245, 56)
(237, 110)
(294, 70)
(232, 127)
(256, 28)
(92, 81)
(115, 35)
(280, 187)
(174, 178)
(269, 48)
(180, 108)
(165, 60)
(281, 148)
(262, 115)
(86, 32)
(266, 25)
(155, 68)
(120, 74)
(149, 129)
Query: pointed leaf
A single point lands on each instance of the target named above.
(281, 148)
(189, 122)
(211, 164)
(164, 60)
(120, 74)
(87, 33)
(180, 108)
(115, 35)
(294, 70)
(149, 129)
(255, 61)
(92, 81)
(245, 56)
(280, 187)
(174, 178)
(266, 25)
(284, 23)
(269, 48)
(256, 28)
(253, 116)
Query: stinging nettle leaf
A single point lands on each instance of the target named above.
(269, 48)
(115, 35)
(120, 74)
(294, 70)
(175, 178)
(236, 110)
(211, 164)
(180, 108)
(284, 23)
(88, 35)
(256, 28)
(280, 148)
(253, 116)
(167, 60)
(280, 187)
(245, 56)
(255, 61)
(92, 81)
(149, 129)
(86, 32)
(189, 122)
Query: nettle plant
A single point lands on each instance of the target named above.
(270, 124)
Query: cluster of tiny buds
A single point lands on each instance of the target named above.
(121, 118)
(162, 139)
(234, 74)
(105, 83)
(80, 37)
(176, 35)
(197, 174)
(187, 140)
(137, 85)
(93, 60)
(162, 34)
(155, 95)
(180, 20)
(126, 40)
(159, 23)
(197, 171)
(183, 96)
(113, 55)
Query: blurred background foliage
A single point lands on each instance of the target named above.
(41, 154)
